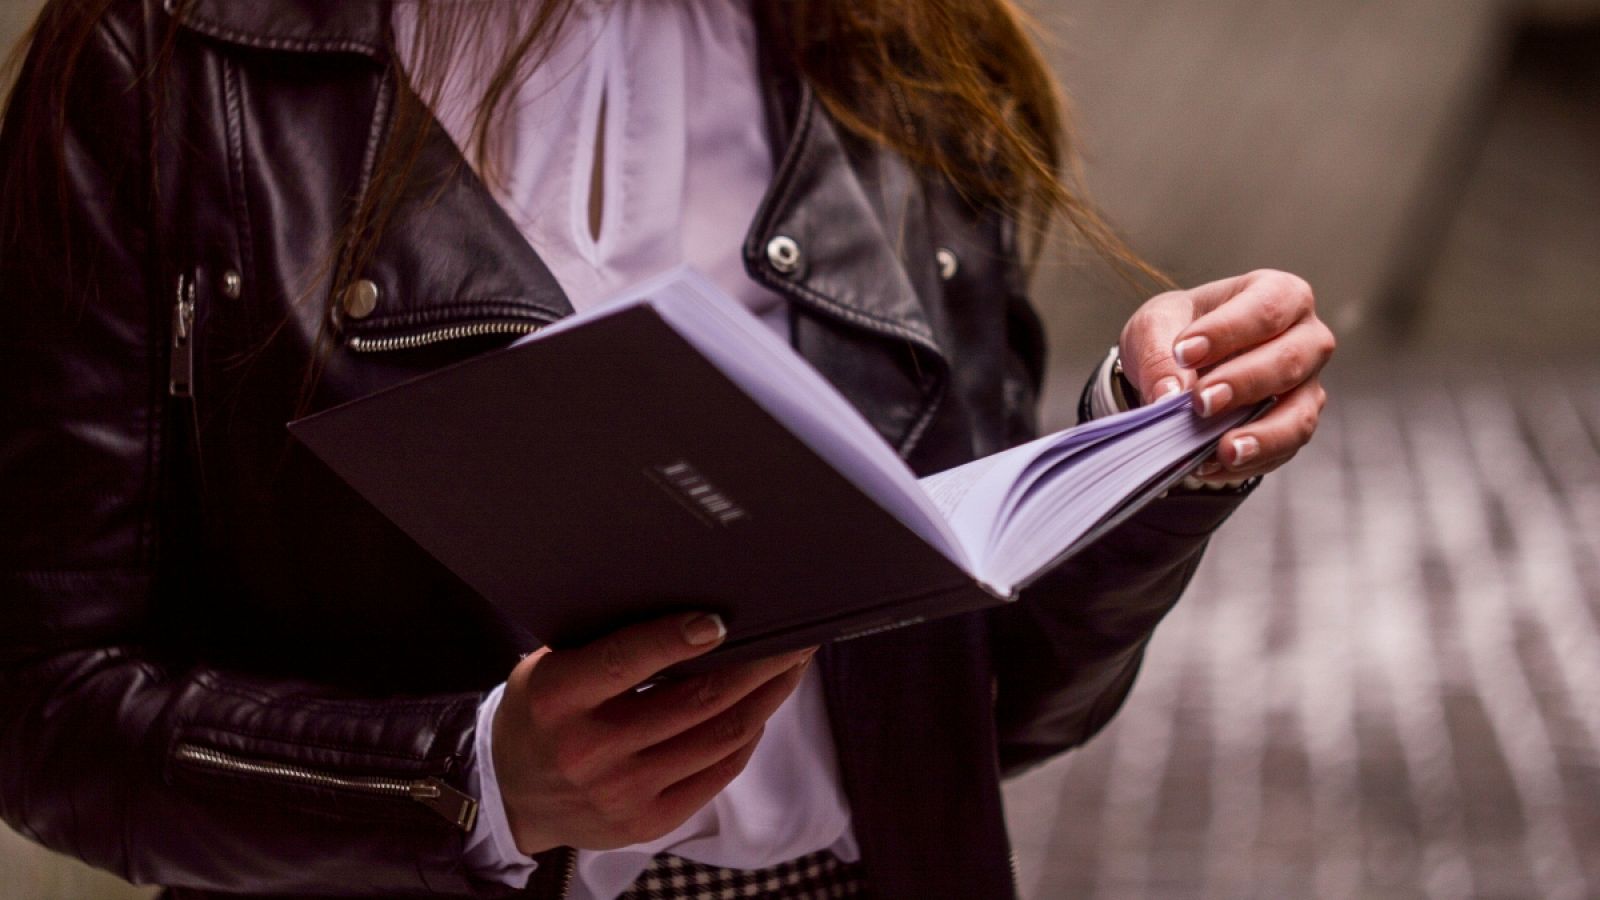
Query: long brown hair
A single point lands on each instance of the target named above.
(957, 87)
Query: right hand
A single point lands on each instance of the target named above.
(582, 760)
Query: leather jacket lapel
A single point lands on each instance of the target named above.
(451, 256)
(848, 265)
(450, 262)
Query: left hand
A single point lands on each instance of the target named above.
(1234, 342)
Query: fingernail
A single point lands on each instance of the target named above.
(1244, 450)
(1167, 386)
(1191, 350)
(1210, 467)
(1214, 398)
(705, 629)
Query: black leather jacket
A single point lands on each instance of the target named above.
(221, 670)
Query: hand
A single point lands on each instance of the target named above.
(1234, 342)
(584, 760)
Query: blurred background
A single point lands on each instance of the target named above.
(1385, 681)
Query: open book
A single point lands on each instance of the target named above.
(667, 451)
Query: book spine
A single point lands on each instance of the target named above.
(937, 604)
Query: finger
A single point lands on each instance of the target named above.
(589, 675)
(1206, 297)
(683, 799)
(1262, 306)
(1146, 347)
(682, 755)
(1224, 477)
(1270, 370)
(524, 668)
(642, 720)
(1285, 428)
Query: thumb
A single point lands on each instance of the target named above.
(1146, 349)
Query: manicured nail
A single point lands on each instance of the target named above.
(1244, 450)
(1215, 398)
(702, 630)
(1209, 467)
(1167, 386)
(1191, 350)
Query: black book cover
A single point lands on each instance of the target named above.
(608, 474)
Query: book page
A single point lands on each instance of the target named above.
(1066, 502)
(948, 488)
(981, 497)
(970, 496)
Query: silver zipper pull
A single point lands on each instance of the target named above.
(180, 370)
(445, 800)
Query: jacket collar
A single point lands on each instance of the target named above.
(850, 245)
(303, 26)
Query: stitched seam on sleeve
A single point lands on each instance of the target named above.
(302, 701)
(192, 730)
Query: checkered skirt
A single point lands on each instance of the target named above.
(817, 876)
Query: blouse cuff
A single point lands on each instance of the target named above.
(491, 852)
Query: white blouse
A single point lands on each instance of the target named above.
(664, 96)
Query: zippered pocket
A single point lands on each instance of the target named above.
(432, 792)
(361, 343)
(180, 359)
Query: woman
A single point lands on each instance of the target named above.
(224, 673)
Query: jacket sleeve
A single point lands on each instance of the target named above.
(117, 745)
(1065, 655)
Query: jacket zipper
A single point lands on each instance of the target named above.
(180, 365)
(361, 344)
(568, 873)
(432, 792)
